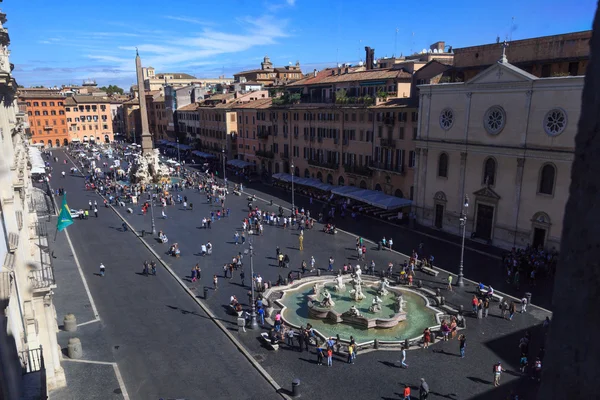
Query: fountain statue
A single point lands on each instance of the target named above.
(353, 311)
(376, 305)
(340, 285)
(315, 289)
(327, 301)
(383, 285)
(399, 304)
(358, 273)
(356, 293)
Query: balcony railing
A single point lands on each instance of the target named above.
(387, 167)
(386, 142)
(32, 360)
(358, 170)
(47, 128)
(262, 135)
(324, 164)
(42, 278)
(264, 154)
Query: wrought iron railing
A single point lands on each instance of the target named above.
(32, 360)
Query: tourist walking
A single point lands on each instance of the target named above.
(319, 356)
(102, 267)
(403, 360)
(301, 241)
(486, 307)
(423, 390)
(330, 267)
(215, 282)
(406, 393)
(463, 342)
(329, 356)
(523, 305)
(242, 277)
(511, 310)
(450, 282)
(96, 211)
(480, 309)
(497, 372)
(426, 338)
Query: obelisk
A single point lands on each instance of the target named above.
(147, 145)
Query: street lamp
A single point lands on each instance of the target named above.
(152, 212)
(178, 158)
(463, 223)
(253, 323)
(223, 157)
(293, 209)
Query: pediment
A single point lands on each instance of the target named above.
(487, 192)
(501, 73)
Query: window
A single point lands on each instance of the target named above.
(37, 113)
(415, 132)
(36, 104)
(29, 113)
(573, 68)
(44, 104)
(414, 116)
(44, 112)
(443, 165)
(51, 104)
(446, 119)
(546, 70)
(52, 112)
(28, 104)
(401, 133)
(547, 177)
(555, 122)
(61, 112)
(412, 159)
(489, 172)
(494, 120)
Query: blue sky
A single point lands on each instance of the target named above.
(61, 42)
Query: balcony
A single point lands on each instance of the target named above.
(265, 154)
(42, 279)
(263, 135)
(388, 167)
(48, 128)
(358, 170)
(323, 164)
(284, 156)
(388, 143)
(319, 100)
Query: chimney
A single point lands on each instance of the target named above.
(370, 57)
(346, 70)
(315, 72)
(439, 46)
(339, 70)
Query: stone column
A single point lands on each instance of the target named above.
(571, 364)
(518, 186)
(422, 180)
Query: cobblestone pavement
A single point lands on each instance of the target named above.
(377, 374)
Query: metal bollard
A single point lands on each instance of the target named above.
(296, 387)
(318, 272)
(419, 284)
(379, 245)
(432, 337)
(205, 293)
(74, 350)
(70, 323)
(528, 297)
(461, 310)
(143, 232)
(376, 344)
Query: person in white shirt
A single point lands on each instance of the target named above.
(523, 305)
(102, 269)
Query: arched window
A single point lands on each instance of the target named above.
(341, 181)
(319, 176)
(306, 173)
(363, 184)
(443, 165)
(489, 172)
(547, 177)
(398, 193)
(378, 187)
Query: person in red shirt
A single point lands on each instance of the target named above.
(406, 392)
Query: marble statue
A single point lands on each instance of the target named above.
(399, 304)
(340, 285)
(353, 311)
(327, 301)
(315, 289)
(356, 293)
(358, 273)
(376, 304)
(383, 285)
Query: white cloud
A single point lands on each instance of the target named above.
(291, 2)
(190, 20)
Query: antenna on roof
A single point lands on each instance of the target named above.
(396, 42)
(512, 27)
(412, 43)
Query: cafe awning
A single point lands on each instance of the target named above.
(239, 163)
(372, 197)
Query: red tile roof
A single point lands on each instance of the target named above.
(326, 77)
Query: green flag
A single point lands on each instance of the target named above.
(64, 217)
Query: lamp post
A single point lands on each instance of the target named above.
(223, 157)
(463, 223)
(293, 209)
(253, 323)
(178, 158)
(152, 212)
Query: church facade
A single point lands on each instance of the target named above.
(503, 143)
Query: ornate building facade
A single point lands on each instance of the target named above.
(27, 315)
(505, 140)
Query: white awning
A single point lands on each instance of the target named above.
(37, 162)
(75, 140)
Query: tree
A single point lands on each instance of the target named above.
(112, 89)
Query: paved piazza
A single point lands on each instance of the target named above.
(173, 328)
